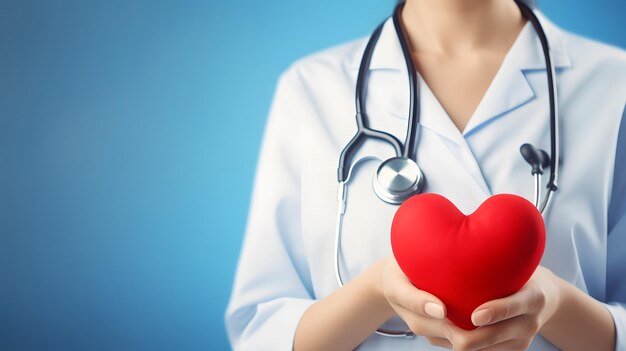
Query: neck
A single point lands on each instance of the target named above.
(453, 27)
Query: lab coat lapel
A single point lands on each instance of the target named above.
(510, 89)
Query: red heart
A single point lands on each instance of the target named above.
(467, 260)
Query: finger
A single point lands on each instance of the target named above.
(519, 327)
(441, 342)
(527, 300)
(421, 325)
(418, 301)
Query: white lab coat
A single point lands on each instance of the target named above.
(286, 262)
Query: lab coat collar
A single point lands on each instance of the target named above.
(509, 90)
(387, 53)
(527, 52)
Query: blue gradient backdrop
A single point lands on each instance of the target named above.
(129, 132)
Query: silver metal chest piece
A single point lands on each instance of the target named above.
(397, 179)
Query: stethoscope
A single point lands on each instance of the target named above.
(399, 177)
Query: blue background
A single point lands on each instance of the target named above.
(129, 132)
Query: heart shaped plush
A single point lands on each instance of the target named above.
(467, 260)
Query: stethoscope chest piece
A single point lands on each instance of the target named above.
(397, 179)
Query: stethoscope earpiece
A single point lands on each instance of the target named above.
(397, 179)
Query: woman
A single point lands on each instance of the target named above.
(482, 94)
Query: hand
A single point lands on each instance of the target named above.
(421, 311)
(510, 323)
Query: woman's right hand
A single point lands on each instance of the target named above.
(422, 312)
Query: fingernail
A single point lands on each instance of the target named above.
(434, 310)
(482, 317)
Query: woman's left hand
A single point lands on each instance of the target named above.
(510, 323)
